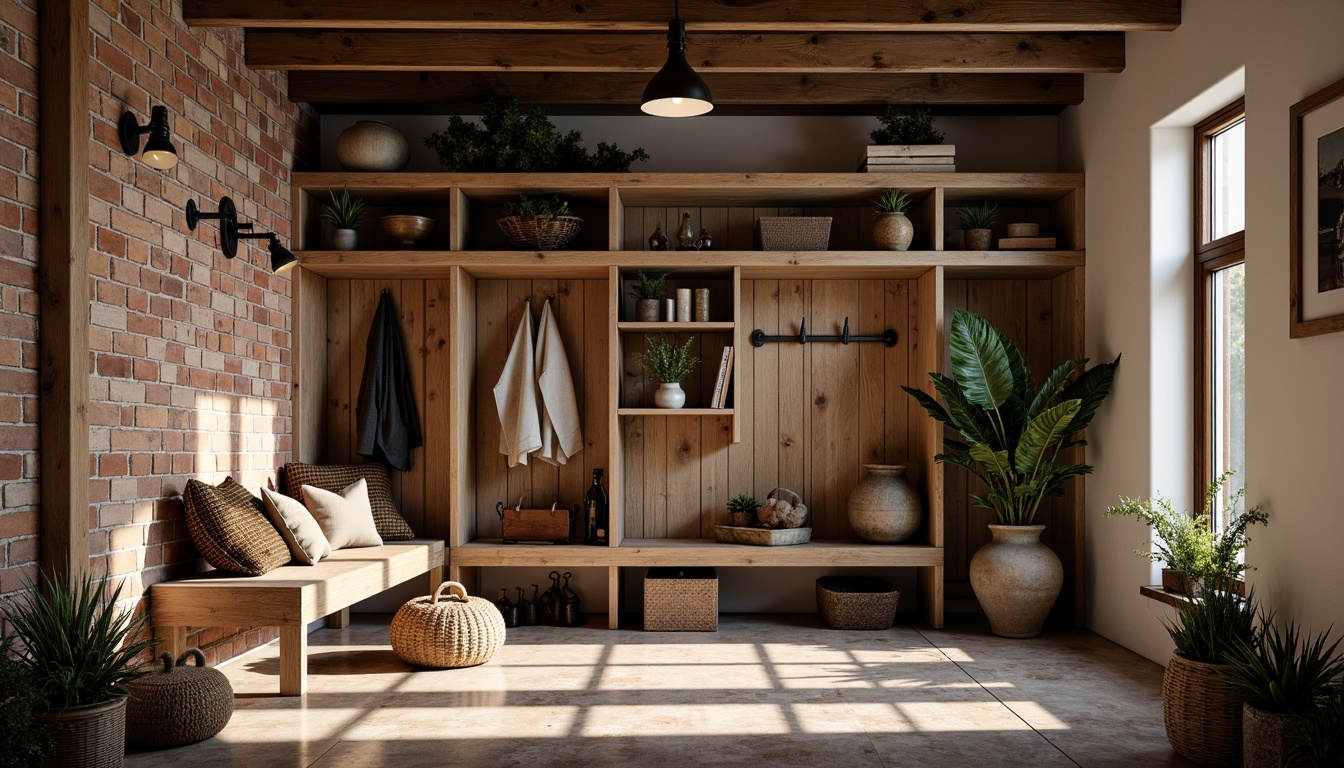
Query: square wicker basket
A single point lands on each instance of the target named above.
(681, 600)
(856, 603)
(793, 233)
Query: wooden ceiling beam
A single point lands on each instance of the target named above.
(705, 15)
(455, 92)
(362, 50)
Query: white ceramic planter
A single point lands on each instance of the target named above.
(344, 240)
(669, 396)
(1016, 578)
(883, 508)
(893, 232)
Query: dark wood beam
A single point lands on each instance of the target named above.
(721, 15)
(707, 51)
(63, 287)
(776, 93)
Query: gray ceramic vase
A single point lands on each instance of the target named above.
(648, 310)
(369, 145)
(344, 239)
(1016, 578)
(883, 508)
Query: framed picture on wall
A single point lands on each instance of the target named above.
(1316, 193)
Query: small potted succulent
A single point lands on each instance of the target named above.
(742, 509)
(892, 231)
(978, 221)
(346, 213)
(670, 365)
(647, 289)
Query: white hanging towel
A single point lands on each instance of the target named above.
(516, 397)
(561, 434)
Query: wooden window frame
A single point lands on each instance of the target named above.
(1210, 257)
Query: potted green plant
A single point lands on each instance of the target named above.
(1318, 738)
(892, 231)
(509, 139)
(742, 508)
(539, 223)
(79, 649)
(647, 288)
(346, 213)
(1201, 709)
(978, 222)
(1015, 436)
(670, 365)
(908, 141)
(23, 742)
(1282, 678)
(1193, 553)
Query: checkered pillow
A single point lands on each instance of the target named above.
(229, 527)
(391, 525)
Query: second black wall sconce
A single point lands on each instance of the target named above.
(231, 231)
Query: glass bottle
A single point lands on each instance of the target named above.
(596, 514)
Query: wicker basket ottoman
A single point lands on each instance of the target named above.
(178, 704)
(856, 603)
(681, 600)
(458, 631)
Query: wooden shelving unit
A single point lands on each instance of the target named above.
(804, 417)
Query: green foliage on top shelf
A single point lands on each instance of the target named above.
(1014, 433)
(648, 285)
(345, 211)
(743, 503)
(530, 208)
(511, 139)
(1287, 671)
(983, 216)
(907, 125)
(1188, 543)
(1210, 629)
(667, 362)
(893, 201)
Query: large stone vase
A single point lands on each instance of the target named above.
(1016, 578)
(883, 508)
(893, 232)
(369, 145)
(1267, 738)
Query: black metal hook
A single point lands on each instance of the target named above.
(759, 338)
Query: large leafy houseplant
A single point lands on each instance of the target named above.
(1013, 433)
(1288, 671)
(510, 138)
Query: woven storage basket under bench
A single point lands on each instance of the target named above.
(681, 600)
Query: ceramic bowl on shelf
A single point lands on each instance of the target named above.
(408, 230)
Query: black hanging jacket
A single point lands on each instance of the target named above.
(389, 423)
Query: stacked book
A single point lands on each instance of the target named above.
(725, 378)
(908, 158)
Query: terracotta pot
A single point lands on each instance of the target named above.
(1016, 578)
(344, 239)
(89, 737)
(883, 508)
(1266, 738)
(893, 232)
(669, 396)
(647, 310)
(979, 239)
(369, 145)
(1201, 712)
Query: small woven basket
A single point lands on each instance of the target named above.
(681, 600)
(179, 704)
(457, 631)
(856, 603)
(92, 735)
(793, 233)
(1202, 712)
(540, 233)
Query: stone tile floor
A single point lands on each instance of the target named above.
(763, 690)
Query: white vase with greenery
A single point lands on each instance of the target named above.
(669, 365)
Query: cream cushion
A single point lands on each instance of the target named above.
(307, 543)
(346, 517)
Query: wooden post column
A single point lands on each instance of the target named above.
(63, 287)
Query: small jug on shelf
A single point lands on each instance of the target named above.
(527, 610)
(569, 605)
(507, 609)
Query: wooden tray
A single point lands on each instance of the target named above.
(761, 537)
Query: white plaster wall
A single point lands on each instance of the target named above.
(1125, 136)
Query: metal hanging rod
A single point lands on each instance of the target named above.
(758, 337)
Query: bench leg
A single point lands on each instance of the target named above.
(171, 640)
(293, 660)
(339, 619)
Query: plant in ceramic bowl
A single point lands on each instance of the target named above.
(345, 212)
(978, 221)
(80, 649)
(1017, 442)
(892, 231)
(670, 365)
(647, 288)
(741, 509)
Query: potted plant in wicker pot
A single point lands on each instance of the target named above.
(1283, 679)
(892, 231)
(79, 649)
(647, 289)
(345, 212)
(1016, 441)
(670, 365)
(539, 224)
(978, 223)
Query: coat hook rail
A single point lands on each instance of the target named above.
(759, 339)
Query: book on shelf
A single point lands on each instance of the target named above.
(720, 399)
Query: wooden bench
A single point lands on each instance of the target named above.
(290, 597)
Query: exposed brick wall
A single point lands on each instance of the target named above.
(189, 365)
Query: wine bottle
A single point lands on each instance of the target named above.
(596, 513)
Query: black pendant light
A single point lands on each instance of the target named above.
(676, 91)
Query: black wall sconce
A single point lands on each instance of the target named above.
(231, 231)
(159, 150)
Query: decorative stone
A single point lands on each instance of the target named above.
(883, 508)
(893, 232)
(761, 537)
(1016, 578)
(369, 145)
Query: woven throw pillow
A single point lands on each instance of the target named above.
(228, 526)
(298, 527)
(346, 518)
(391, 525)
